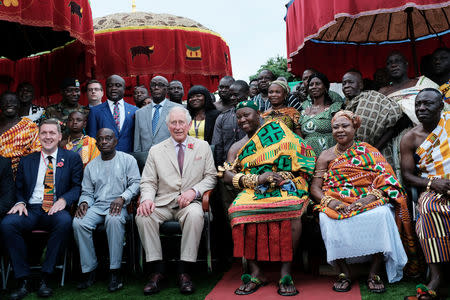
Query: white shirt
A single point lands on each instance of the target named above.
(38, 192)
(121, 110)
(162, 103)
(175, 144)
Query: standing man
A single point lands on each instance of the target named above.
(425, 164)
(176, 91)
(177, 173)
(25, 92)
(70, 90)
(224, 92)
(139, 95)
(226, 130)
(47, 183)
(253, 88)
(114, 114)
(104, 199)
(151, 128)
(94, 92)
(265, 77)
(441, 70)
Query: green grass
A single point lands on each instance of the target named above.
(395, 291)
(133, 287)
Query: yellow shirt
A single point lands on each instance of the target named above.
(197, 129)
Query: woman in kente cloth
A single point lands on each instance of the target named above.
(355, 189)
(271, 165)
(278, 91)
(77, 141)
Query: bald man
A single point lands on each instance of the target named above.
(151, 127)
(114, 114)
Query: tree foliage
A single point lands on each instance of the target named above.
(278, 66)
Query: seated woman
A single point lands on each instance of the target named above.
(271, 165)
(315, 119)
(77, 141)
(355, 187)
(278, 91)
(203, 113)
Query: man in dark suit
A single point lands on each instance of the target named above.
(114, 114)
(151, 127)
(47, 183)
(7, 197)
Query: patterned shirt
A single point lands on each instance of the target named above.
(61, 112)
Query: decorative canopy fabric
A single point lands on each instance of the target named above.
(63, 29)
(335, 35)
(142, 45)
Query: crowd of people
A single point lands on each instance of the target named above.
(268, 152)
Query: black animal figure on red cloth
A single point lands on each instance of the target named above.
(75, 9)
(141, 50)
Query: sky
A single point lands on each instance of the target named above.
(253, 29)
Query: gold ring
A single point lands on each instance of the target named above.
(270, 178)
(359, 204)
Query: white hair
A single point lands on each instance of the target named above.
(179, 109)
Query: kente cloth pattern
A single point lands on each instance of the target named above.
(433, 227)
(434, 152)
(49, 190)
(20, 140)
(85, 146)
(61, 112)
(358, 171)
(289, 115)
(406, 97)
(316, 129)
(445, 90)
(261, 222)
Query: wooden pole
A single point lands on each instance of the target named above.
(412, 36)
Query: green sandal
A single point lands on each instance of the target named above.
(286, 281)
(247, 278)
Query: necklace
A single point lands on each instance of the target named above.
(339, 152)
(196, 127)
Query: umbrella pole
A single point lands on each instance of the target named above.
(412, 36)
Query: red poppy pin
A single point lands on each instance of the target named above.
(60, 164)
(190, 146)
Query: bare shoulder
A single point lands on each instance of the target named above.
(325, 158)
(234, 149)
(414, 137)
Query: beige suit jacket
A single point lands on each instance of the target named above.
(161, 180)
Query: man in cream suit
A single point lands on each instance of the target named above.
(177, 173)
(150, 127)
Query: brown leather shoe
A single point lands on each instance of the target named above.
(154, 285)
(186, 285)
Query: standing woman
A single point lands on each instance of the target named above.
(315, 121)
(203, 113)
(278, 91)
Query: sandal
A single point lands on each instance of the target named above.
(342, 278)
(375, 279)
(246, 279)
(423, 291)
(287, 282)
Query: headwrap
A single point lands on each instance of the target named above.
(355, 119)
(283, 84)
(69, 82)
(248, 103)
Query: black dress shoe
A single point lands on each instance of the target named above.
(44, 290)
(185, 284)
(89, 279)
(21, 292)
(115, 282)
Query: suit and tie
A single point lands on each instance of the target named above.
(145, 136)
(7, 196)
(163, 182)
(101, 116)
(68, 171)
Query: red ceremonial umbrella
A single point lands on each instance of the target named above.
(59, 31)
(138, 46)
(336, 35)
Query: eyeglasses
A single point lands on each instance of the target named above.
(94, 89)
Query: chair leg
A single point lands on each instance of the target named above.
(208, 242)
(133, 245)
(63, 276)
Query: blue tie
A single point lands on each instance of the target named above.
(155, 118)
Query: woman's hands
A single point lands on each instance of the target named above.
(270, 177)
(344, 209)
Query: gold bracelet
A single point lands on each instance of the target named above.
(326, 200)
(377, 193)
(236, 179)
(250, 181)
(429, 183)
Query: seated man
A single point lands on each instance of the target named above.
(271, 165)
(177, 173)
(77, 141)
(426, 148)
(47, 183)
(109, 183)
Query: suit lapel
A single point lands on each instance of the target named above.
(148, 113)
(36, 159)
(127, 117)
(172, 154)
(188, 154)
(162, 115)
(58, 170)
(109, 117)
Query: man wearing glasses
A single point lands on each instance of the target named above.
(150, 126)
(94, 92)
